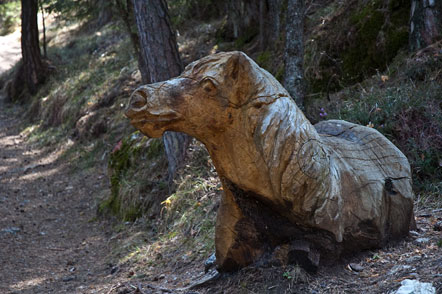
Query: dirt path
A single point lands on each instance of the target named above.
(10, 50)
(48, 243)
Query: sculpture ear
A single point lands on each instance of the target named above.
(235, 66)
(237, 76)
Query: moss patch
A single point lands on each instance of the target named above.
(132, 187)
(369, 37)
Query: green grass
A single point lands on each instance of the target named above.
(87, 68)
(9, 17)
(184, 224)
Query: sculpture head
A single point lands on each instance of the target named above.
(204, 98)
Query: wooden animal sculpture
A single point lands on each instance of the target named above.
(289, 186)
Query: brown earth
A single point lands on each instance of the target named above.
(48, 243)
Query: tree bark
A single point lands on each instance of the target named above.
(126, 12)
(45, 51)
(273, 20)
(425, 23)
(294, 51)
(161, 61)
(105, 12)
(268, 23)
(33, 67)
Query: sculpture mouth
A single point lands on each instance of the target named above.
(156, 119)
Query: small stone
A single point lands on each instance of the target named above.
(68, 278)
(414, 234)
(210, 262)
(160, 277)
(114, 270)
(422, 240)
(10, 230)
(415, 287)
(413, 259)
(356, 267)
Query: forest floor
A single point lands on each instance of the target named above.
(48, 243)
(10, 50)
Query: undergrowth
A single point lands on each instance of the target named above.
(184, 228)
(405, 107)
(137, 172)
(9, 17)
(80, 107)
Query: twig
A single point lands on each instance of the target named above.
(116, 286)
(140, 289)
(159, 288)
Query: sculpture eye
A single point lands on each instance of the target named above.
(209, 86)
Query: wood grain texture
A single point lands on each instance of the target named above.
(336, 186)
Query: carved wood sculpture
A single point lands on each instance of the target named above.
(289, 187)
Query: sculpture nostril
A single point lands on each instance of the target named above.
(139, 99)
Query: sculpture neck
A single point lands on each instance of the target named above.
(291, 149)
(261, 150)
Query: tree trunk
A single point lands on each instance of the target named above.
(45, 51)
(161, 61)
(294, 51)
(243, 16)
(262, 17)
(33, 67)
(273, 21)
(425, 23)
(268, 23)
(105, 12)
(126, 12)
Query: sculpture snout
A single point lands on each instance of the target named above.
(150, 110)
(137, 103)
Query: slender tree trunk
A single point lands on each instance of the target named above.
(33, 67)
(262, 21)
(126, 12)
(268, 23)
(294, 51)
(105, 12)
(425, 23)
(273, 21)
(45, 52)
(159, 51)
